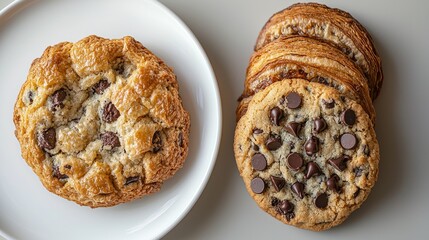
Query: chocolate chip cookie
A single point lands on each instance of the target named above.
(331, 25)
(308, 155)
(101, 121)
(309, 59)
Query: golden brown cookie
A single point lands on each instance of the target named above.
(331, 25)
(101, 121)
(305, 58)
(307, 154)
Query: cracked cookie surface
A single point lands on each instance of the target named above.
(101, 121)
(307, 154)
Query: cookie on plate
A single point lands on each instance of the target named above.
(101, 121)
(332, 25)
(310, 59)
(308, 155)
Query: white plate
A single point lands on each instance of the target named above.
(27, 210)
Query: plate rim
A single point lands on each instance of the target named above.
(18, 5)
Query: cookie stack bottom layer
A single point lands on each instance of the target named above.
(307, 154)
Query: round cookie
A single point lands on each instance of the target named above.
(101, 121)
(332, 25)
(307, 154)
(310, 59)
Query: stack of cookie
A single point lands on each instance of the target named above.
(305, 143)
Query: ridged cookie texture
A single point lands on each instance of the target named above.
(308, 155)
(101, 121)
(331, 25)
(309, 59)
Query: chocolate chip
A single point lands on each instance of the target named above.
(47, 139)
(274, 142)
(312, 169)
(348, 141)
(57, 174)
(356, 193)
(57, 98)
(293, 128)
(259, 162)
(332, 183)
(278, 182)
(319, 125)
(110, 139)
(366, 150)
(255, 148)
(348, 117)
(180, 139)
(329, 103)
(339, 163)
(130, 180)
(293, 100)
(156, 142)
(298, 188)
(30, 95)
(110, 113)
(257, 131)
(274, 202)
(295, 161)
(276, 114)
(285, 207)
(101, 86)
(321, 200)
(311, 145)
(358, 171)
(67, 166)
(289, 216)
(257, 185)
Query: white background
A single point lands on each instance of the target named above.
(398, 206)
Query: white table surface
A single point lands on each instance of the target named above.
(398, 206)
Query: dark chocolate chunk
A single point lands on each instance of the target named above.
(276, 114)
(47, 139)
(348, 117)
(278, 182)
(257, 185)
(295, 161)
(110, 113)
(259, 162)
(332, 183)
(101, 86)
(319, 125)
(312, 169)
(57, 98)
(110, 139)
(348, 141)
(156, 142)
(293, 100)
(67, 166)
(321, 200)
(293, 128)
(257, 131)
(358, 171)
(180, 139)
(130, 180)
(274, 202)
(284, 207)
(57, 174)
(311, 145)
(356, 193)
(329, 103)
(289, 216)
(30, 95)
(339, 163)
(274, 142)
(298, 188)
(255, 147)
